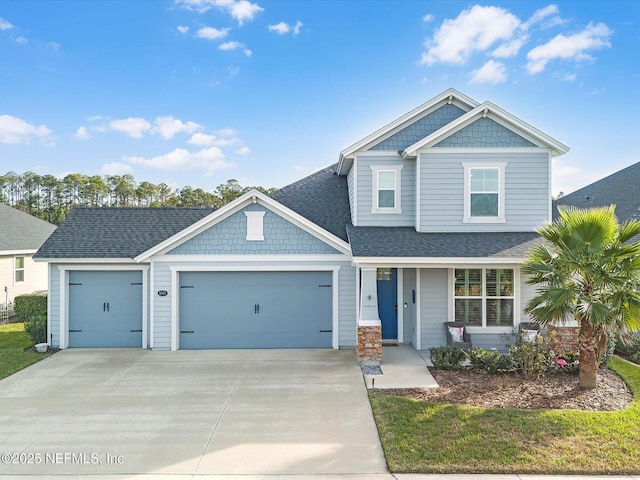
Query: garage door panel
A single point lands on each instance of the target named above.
(105, 309)
(255, 309)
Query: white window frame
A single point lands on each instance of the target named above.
(484, 328)
(255, 226)
(16, 269)
(376, 170)
(468, 166)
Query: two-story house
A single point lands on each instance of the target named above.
(424, 221)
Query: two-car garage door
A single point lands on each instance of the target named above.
(255, 310)
(216, 309)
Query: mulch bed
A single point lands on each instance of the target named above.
(511, 390)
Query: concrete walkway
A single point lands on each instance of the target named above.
(402, 367)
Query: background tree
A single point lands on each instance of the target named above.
(588, 269)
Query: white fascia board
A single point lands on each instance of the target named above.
(497, 114)
(253, 259)
(102, 267)
(80, 261)
(4, 253)
(433, 262)
(238, 204)
(451, 95)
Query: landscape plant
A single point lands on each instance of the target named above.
(587, 269)
(490, 361)
(533, 359)
(448, 357)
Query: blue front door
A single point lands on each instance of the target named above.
(388, 302)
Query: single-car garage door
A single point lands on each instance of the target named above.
(105, 309)
(255, 310)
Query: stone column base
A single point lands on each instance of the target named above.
(369, 348)
(562, 339)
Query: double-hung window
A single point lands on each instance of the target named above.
(386, 189)
(484, 193)
(484, 297)
(18, 269)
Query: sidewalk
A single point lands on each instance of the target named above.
(402, 367)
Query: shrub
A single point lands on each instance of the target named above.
(447, 358)
(36, 327)
(32, 309)
(490, 361)
(34, 304)
(532, 358)
(636, 358)
(568, 362)
(627, 346)
(605, 357)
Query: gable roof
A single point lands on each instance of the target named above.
(116, 232)
(322, 197)
(393, 242)
(621, 189)
(20, 231)
(488, 109)
(450, 95)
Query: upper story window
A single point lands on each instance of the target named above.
(18, 268)
(386, 189)
(484, 193)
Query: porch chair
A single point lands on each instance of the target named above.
(524, 329)
(466, 337)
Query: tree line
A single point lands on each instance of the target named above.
(51, 199)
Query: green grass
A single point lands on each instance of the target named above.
(13, 341)
(426, 437)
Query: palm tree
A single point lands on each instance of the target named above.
(588, 269)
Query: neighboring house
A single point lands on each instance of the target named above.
(426, 220)
(21, 235)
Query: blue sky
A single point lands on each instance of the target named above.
(194, 92)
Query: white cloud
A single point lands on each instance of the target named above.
(511, 48)
(491, 72)
(226, 132)
(567, 178)
(4, 25)
(211, 33)
(21, 40)
(168, 126)
(569, 47)
(133, 126)
(14, 130)
(226, 46)
(240, 10)
(568, 77)
(202, 140)
(243, 150)
(541, 14)
(183, 29)
(209, 159)
(95, 118)
(247, 52)
(283, 28)
(428, 18)
(115, 168)
(82, 133)
(474, 30)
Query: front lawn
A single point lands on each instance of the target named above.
(426, 437)
(13, 357)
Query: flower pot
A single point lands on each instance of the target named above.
(41, 347)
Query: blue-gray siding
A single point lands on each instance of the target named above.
(527, 193)
(434, 306)
(229, 237)
(484, 133)
(420, 128)
(409, 315)
(347, 331)
(365, 192)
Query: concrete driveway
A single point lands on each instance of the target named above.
(189, 412)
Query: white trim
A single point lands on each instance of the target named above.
(17, 252)
(400, 301)
(448, 96)
(418, 194)
(370, 323)
(92, 261)
(501, 167)
(252, 258)
(49, 297)
(483, 150)
(255, 226)
(63, 321)
(358, 293)
(335, 308)
(152, 304)
(433, 262)
(450, 300)
(145, 301)
(355, 193)
(238, 204)
(418, 313)
(497, 114)
(16, 269)
(379, 153)
(177, 269)
(397, 194)
(550, 166)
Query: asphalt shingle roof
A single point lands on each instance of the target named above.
(116, 232)
(322, 197)
(21, 231)
(621, 189)
(406, 242)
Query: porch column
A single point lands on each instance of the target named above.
(369, 325)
